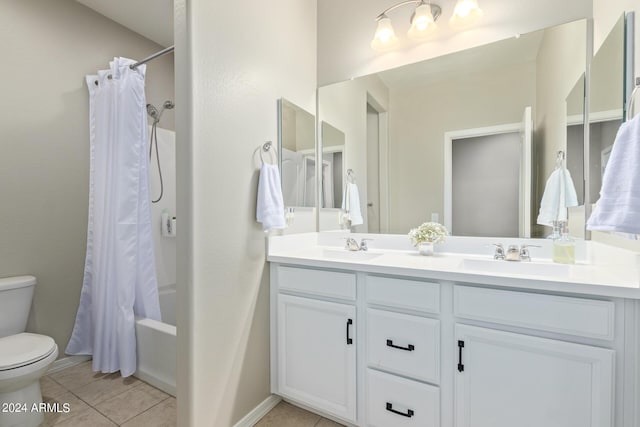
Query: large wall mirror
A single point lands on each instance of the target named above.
(467, 139)
(609, 82)
(296, 148)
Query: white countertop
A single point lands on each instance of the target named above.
(600, 269)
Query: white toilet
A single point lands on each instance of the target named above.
(24, 357)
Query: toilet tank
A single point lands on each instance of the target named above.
(16, 294)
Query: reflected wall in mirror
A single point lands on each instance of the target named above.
(332, 166)
(296, 147)
(419, 136)
(606, 111)
(606, 106)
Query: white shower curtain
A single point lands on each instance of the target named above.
(119, 274)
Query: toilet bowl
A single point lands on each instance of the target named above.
(24, 357)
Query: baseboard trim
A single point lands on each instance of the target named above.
(259, 411)
(67, 362)
(156, 382)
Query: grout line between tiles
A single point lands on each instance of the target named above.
(148, 409)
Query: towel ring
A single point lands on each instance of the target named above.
(351, 176)
(560, 159)
(266, 147)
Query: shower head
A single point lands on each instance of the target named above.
(153, 112)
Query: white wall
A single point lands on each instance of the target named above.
(345, 29)
(239, 58)
(48, 48)
(164, 247)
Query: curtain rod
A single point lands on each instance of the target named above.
(149, 58)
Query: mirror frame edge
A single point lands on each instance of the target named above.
(586, 105)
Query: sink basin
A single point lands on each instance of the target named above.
(345, 255)
(511, 267)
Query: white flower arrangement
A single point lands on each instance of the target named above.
(429, 232)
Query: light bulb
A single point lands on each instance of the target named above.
(465, 14)
(422, 22)
(384, 36)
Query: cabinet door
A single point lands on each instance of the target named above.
(317, 355)
(506, 380)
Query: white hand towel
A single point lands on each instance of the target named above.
(559, 194)
(619, 206)
(270, 209)
(351, 204)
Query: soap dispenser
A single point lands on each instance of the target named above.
(564, 247)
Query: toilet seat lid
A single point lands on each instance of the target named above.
(23, 349)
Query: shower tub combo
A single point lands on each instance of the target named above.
(157, 345)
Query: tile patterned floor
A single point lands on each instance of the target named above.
(287, 415)
(108, 400)
(99, 400)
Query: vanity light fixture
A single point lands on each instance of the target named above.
(423, 21)
(465, 14)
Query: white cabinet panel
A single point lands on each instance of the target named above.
(517, 380)
(566, 315)
(403, 293)
(333, 284)
(397, 402)
(404, 344)
(317, 355)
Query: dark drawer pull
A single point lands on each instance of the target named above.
(409, 413)
(410, 347)
(349, 339)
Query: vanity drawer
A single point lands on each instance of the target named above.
(403, 293)
(404, 344)
(326, 283)
(415, 404)
(565, 315)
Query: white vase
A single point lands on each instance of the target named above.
(426, 248)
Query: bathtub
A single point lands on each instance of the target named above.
(157, 345)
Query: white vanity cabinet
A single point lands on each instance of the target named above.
(508, 379)
(316, 351)
(505, 379)
(437, 353)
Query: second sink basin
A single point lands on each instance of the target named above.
(345, 255)
(512, 267)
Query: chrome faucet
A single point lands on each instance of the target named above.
(363, 244)
(352, 244)
(513, 253)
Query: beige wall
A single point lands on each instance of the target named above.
(235, 60)
(560, 63)
(48, 47)
(418, 120)
(605, 15)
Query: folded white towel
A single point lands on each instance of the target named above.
(270, 207)
(351, 204)
(619, 206)
(559, 194)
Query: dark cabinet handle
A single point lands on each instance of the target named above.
(460, 347)
(409, 413)
(349, 339)
(410, 347)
